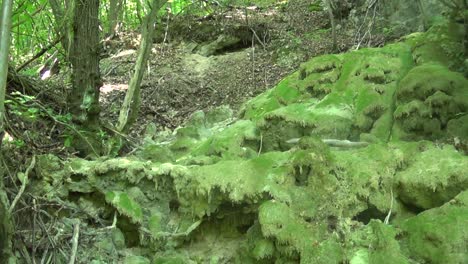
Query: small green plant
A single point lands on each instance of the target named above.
(23, 106)
(18, 143)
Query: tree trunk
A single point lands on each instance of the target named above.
(6, 225)
(423, 14)
(115, 10)
(62, 22)
(131, 104)
(465, 22)
(83, 100)
(329, 7)
(138, 11)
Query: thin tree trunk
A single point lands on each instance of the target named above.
(83, 100)
(329, 7)
(115, 10)
(62, 22)
(138, 11)
(423, 14)
(465, 22)
(131, 104)
(6, 225)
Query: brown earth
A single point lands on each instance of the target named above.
(180, 81)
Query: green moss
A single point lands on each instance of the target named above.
(367, 189)
(278, 220)
(442, 44)
(438, 235)
(229, 142)
(259, 106)
(428, 98)
(376, 243)
(245, 180)
(315, 7)
(169, 260)
(432, 177)
(125, 205)
(156, 153)
(136, 260)
(458, 127)
(266, 189)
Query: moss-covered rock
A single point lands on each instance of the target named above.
(428, 98)
(432, 177)
(271, 188)
(376, 243)
(438, 235)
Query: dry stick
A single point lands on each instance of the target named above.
(33, 234)
(76, 235)
(387, 219)
(44, 256)
(167, 28)
(253, 59)
(335, 143)
(39, 54)
(111, 69)
(114, 224)
(358, 34)
(261, 145)
(23, 184)
(258, 39)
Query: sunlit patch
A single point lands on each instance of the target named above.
(124, 53)
(7, 137)
(107, 88)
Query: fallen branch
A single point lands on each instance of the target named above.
(76, 235)
(261, 145)
(344, 143)
(335, 143)
(24, 182)
(387, 218)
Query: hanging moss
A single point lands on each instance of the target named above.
(428, 98)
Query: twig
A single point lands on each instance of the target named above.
(114, 224)
(258, 39)
(44, 256)
(33, 236)
(369, 27)
(167, 28)
(39, 54)
(129, 139)
(387, 218)
(23, 184)
(261, 145)
(76, 235)
(335, 143)
(111, 69)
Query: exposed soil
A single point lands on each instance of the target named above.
(180, 81)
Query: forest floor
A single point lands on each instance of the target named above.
(180, 80)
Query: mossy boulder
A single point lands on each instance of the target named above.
(333, 96)
(428, 98)
(433, 177)
(438, 235)
(376, 243)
